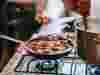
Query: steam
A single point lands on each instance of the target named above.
(55, 26)
(54, 11)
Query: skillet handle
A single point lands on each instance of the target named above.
(10, 39)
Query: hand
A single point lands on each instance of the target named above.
(22, 48)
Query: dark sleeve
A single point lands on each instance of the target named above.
(3, 17)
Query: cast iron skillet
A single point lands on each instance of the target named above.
(40, 56)
(53, 55)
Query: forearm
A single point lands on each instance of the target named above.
(24, 3)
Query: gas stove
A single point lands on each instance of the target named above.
(29, 65)
(69, 64)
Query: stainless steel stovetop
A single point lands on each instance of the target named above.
(29, 65)
(68, 65)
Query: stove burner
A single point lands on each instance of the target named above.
(31, 64)
(72, 26)
(48, 65)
